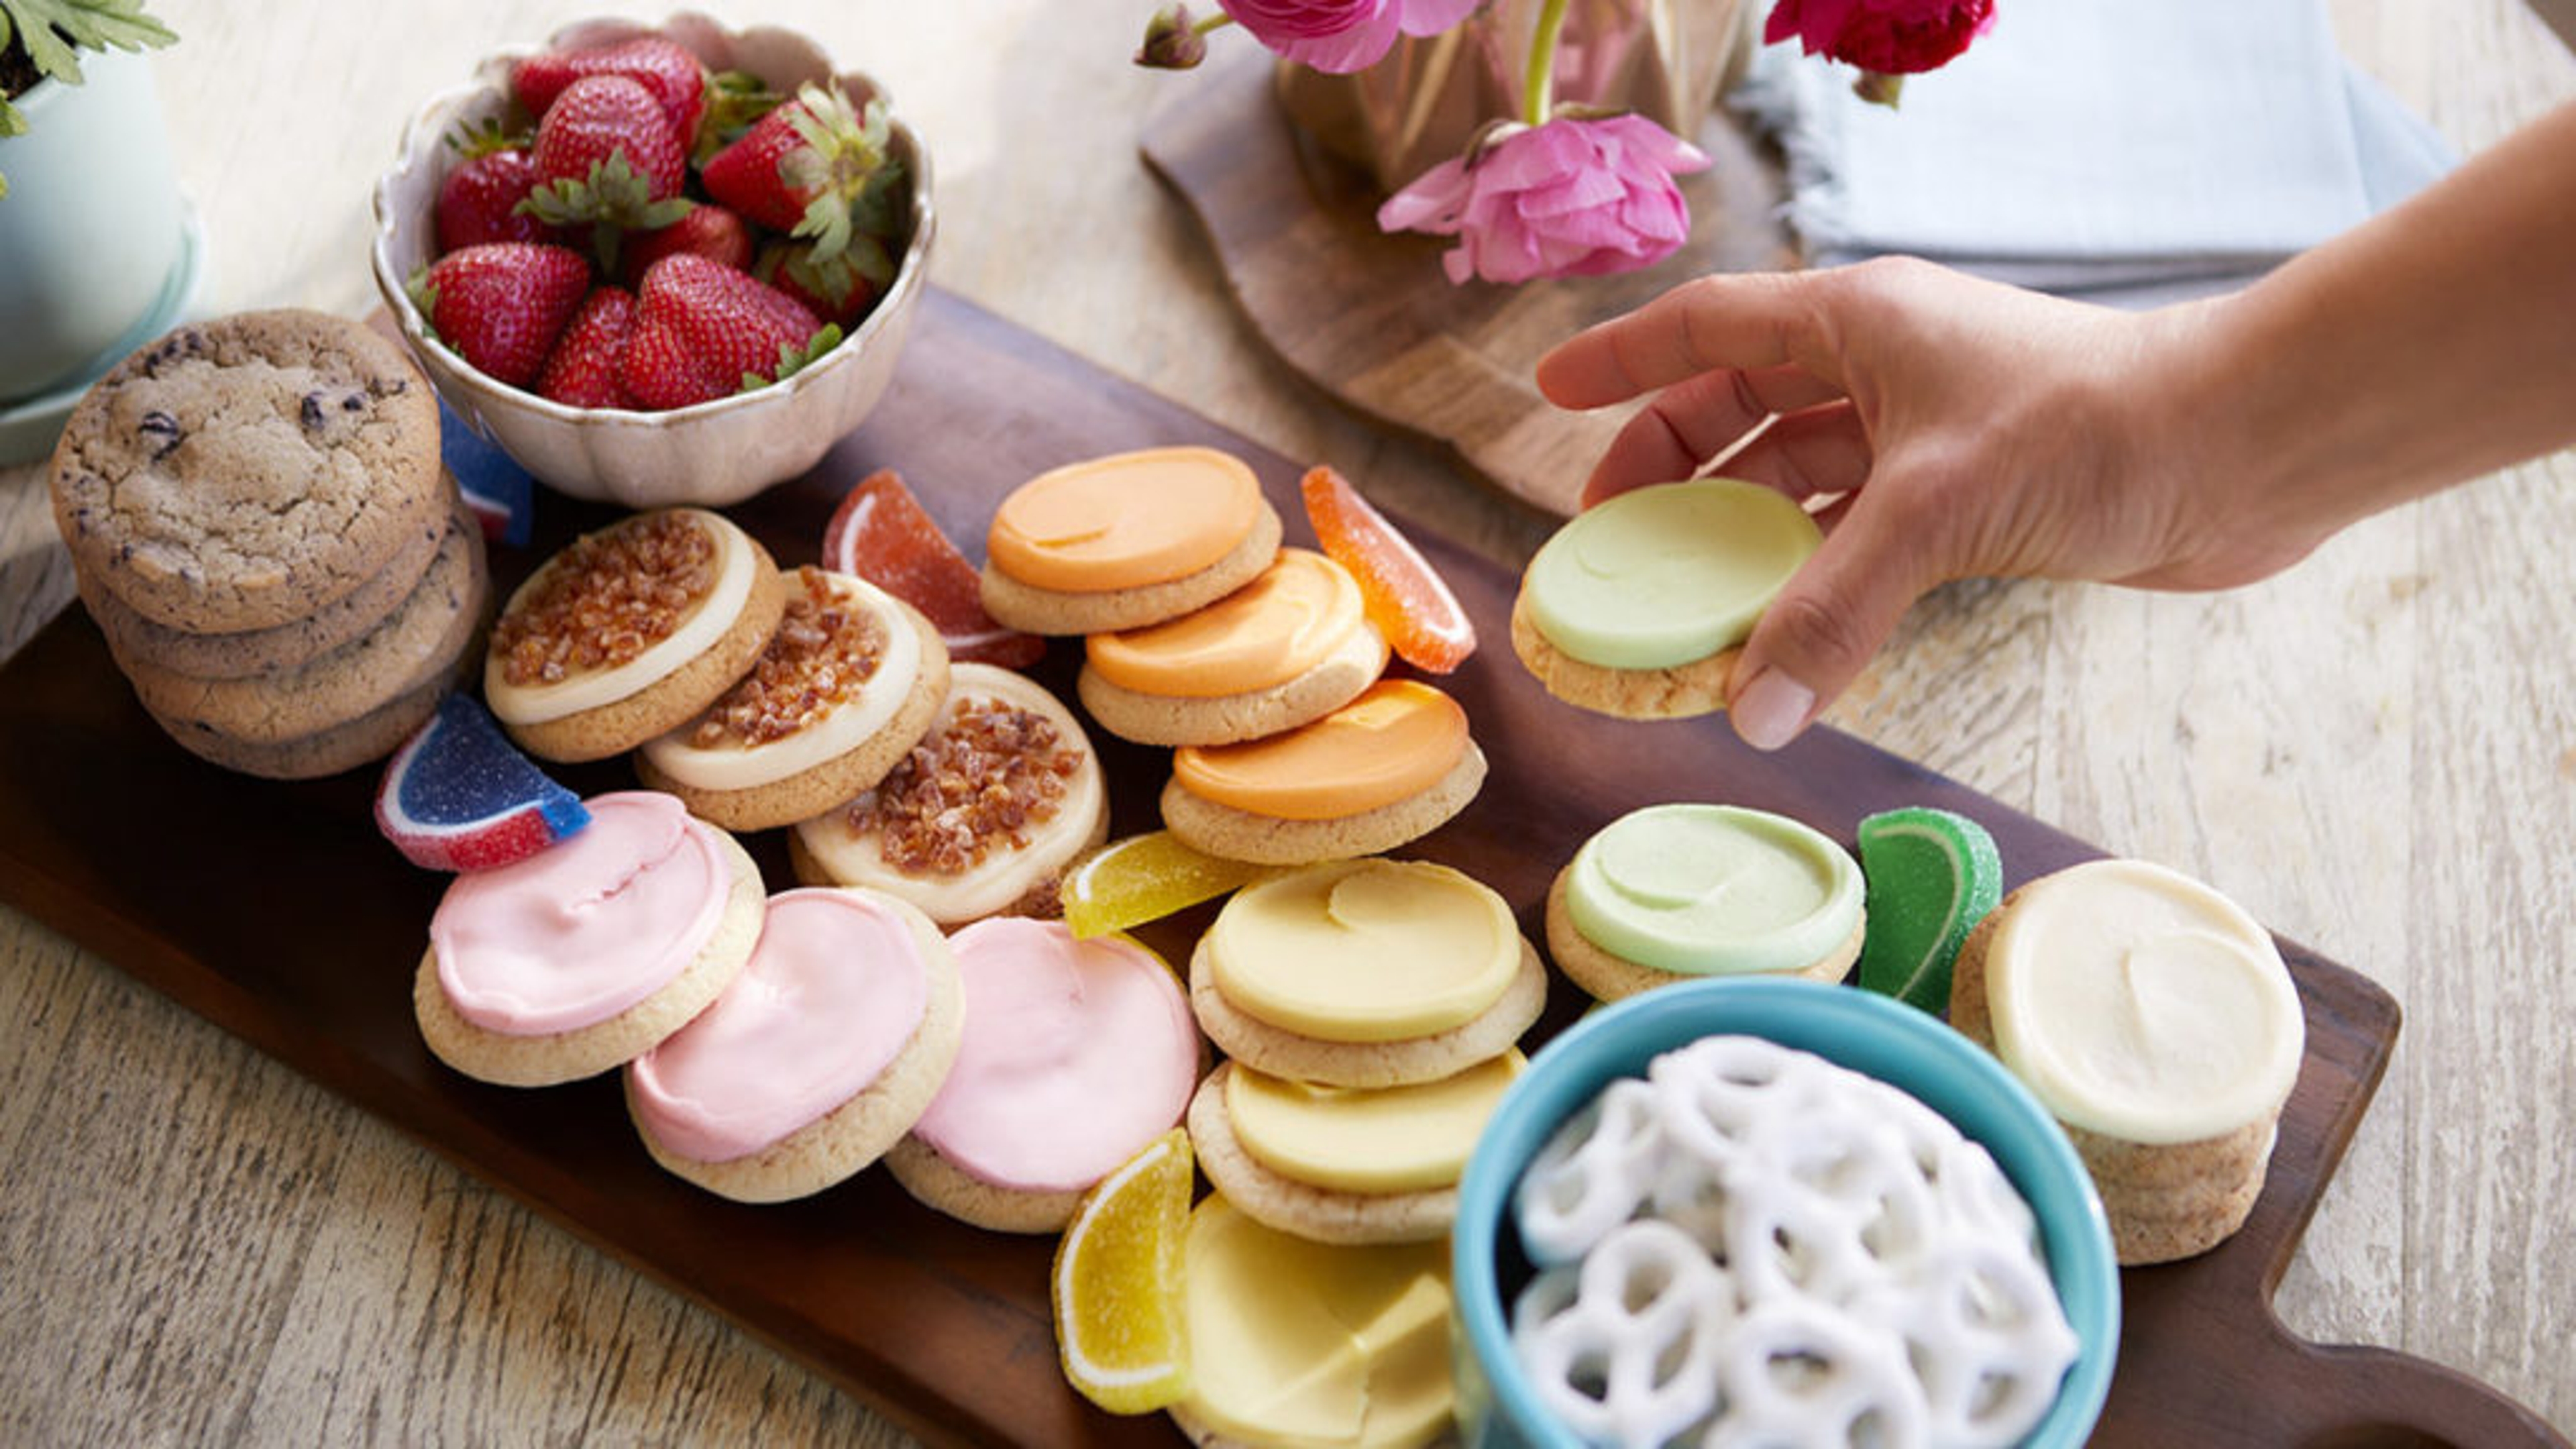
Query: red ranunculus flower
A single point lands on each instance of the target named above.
(1886, 37)
(1341, 36)
(1572, 198)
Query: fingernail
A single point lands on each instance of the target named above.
(1769, 711)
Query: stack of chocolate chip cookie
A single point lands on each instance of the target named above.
(260, 524)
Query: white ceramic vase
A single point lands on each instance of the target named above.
(92, 230)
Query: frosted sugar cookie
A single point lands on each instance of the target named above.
(630, 631)
(980, 818)
(817, 1058)
(1126, 540)
(1673, 891)
(850, 681)
(579, 957)
(1385, 769)
(1345, 1164)
(1292, 1341)
(1365, 973)
(1075, 1055)
(1292, 645)
(1638, 605)
(2155, 1019)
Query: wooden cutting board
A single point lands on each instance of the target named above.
(175, 871)
(1371, 318)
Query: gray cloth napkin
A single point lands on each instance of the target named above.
(2128, 151)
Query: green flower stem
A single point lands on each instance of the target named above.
(1538, 83)
(1212, 24)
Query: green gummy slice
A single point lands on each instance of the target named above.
(1930, 875)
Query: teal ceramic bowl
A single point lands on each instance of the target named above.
(1870, 1034)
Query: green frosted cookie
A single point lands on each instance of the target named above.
(1931, 875)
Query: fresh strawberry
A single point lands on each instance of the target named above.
(658, 63)
(703, 331)
(587, 369)
(839, 290)
(606, 158)
(501, 305)
(815, 168)
(713, 232)
(479, 199)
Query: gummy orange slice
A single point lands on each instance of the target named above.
(1405, 597)
(1145, 878)
(1116, 1288)
(881, 533)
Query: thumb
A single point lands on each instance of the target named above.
(1827, 621)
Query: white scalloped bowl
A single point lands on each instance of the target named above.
(713, 453)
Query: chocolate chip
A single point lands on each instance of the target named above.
(163, 430)
(353, 402)
(312, 410)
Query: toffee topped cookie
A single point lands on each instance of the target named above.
(849, 683)
(1638, 606)
(1126, 540)
(980, 818)
(242, 473)
(629, 632)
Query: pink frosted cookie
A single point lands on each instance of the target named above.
(574, 960)
(820, 1055)
(459, 796)
(1076, 1053)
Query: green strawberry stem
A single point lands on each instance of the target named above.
(793, 359)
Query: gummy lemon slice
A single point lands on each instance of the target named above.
(1930, 876)
(1117, 1283)
(1145, 878)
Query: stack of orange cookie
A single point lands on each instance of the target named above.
(1256, 663)
(259, 522)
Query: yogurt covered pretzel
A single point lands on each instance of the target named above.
(1754, 1245)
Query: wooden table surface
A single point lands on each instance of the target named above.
(2375, 753)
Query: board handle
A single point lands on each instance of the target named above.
(2360, 1397)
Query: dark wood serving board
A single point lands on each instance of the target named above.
(942, 1326)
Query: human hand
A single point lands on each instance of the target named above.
(1939, 427)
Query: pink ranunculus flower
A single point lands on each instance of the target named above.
(1341, 36)
(1885, 37)
(1572, 198)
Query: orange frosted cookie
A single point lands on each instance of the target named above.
(848, 685)
(1126, 540)
(1292, 645)
(1387, 768)
(629, 631)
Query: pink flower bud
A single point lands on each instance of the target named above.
(1576, 197)
(1172, 41)
(1341, 36)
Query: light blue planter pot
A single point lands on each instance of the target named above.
(94, 234)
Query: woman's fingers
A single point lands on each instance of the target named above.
(1754, 322)
(1695, 420)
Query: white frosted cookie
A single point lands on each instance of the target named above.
(981, 818)
(821, 1054)
(849, 683)
(520, 989)
(630, 631)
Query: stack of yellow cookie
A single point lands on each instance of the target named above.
(1256, 663)
(1370, 1010)
(259, 522)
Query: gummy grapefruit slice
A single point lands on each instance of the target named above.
(1405, 597)
(1116, 1287)
(1929, 876)
(1145, 878)
(881, 533)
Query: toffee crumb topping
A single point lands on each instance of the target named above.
(824, 653)
(607, 598)
(971, 789)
